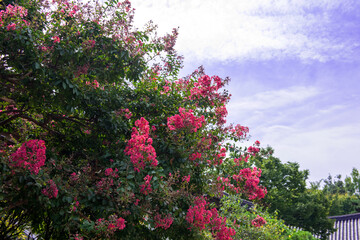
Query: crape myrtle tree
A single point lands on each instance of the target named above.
(100, 138)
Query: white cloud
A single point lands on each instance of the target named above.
(323, 138)
(238, 30)
(324, 151)
(269, 100)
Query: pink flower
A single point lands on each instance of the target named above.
(120, 223)
(186, 179)
(51, 190)
(111, 172)
(56, 39)
(239, 132)
(258, 221)
(146, 187)
(74, 177)
(96, 84)
(139, 147)
(195, 156)
(164, 223)
(11, 27)
(253, 150)
(89, 44)
(78, 237)
(249, 178)
(199, 217)
(185, 119)
(31, 156)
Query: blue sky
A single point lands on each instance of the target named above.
(294, 69)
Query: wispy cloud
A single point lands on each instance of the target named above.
(323, 151)
(270, 100)
(240, 30)
(297, 123)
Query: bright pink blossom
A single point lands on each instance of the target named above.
(146, 187)
(253, 150)
(221, 114)
(249, 178)
(111, 172)
(56, 39)
(258, 221)
(239, 132)
(195, 156)
(186, 179)
(139, 147)
(13, 11)
(207, 88)
(31, 156)
(11, 27)
(185, 119)
(51, 190)
(164, 223)
(199, 217)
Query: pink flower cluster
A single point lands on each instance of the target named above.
(251, 179)
(118, 224)
(88, 44)
(11, 27)
(146, 187)
(139, 147)
(31, 156)
(185, 120)
(104, 184)
(56, 39)
(164, 223)
(124, 111)
(95, 84)
(199, 217)
(107, 182)
(244, 158)
(78, 237)
(239, 132)
(114, 223)
(221, 114)
(51, 190)
(258, 221)
(218, 227)
(224, 182)
(170, 40)
(12, 12)
(253, 150)
(195, 156)
(74, 177)
(111, 172)
(218, 160)
(82, 70)
(186, 179)
(207, 88)
(73, 11)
